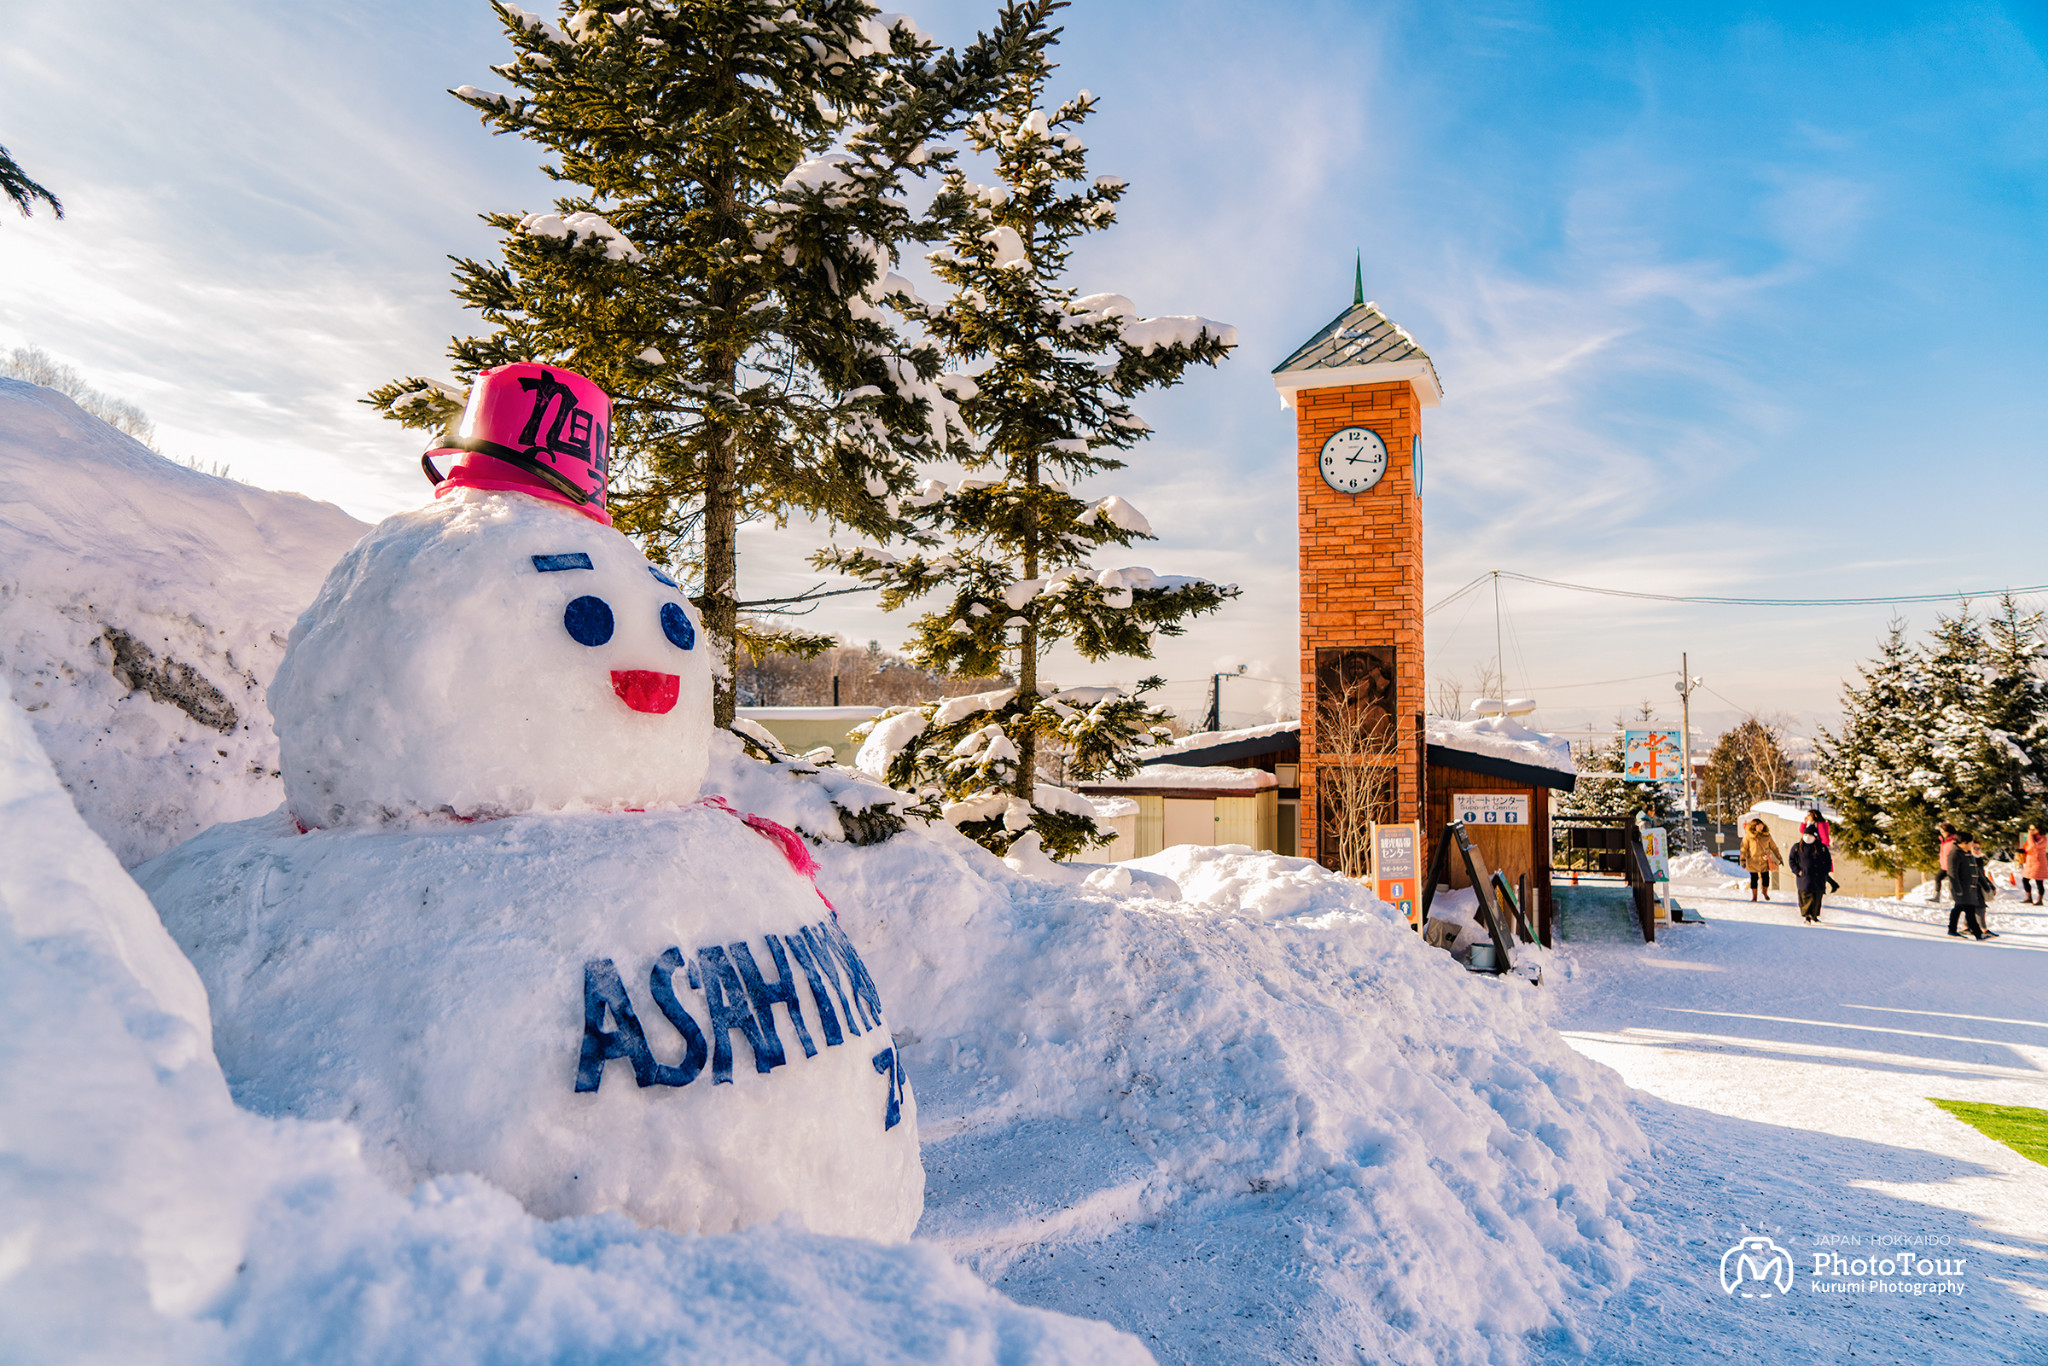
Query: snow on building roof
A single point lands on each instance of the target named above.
(850, 715)
(1360, 345)
(1196, 745)
(1502, 737)
(1225, 781)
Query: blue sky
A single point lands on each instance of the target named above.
(1743, 302)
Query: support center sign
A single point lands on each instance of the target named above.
(1491, 808)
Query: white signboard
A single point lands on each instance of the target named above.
(1490, 808)
(1656, 845)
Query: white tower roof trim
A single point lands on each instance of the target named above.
(1361, 345)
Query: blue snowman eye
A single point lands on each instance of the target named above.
(589, 621)
(675, 624)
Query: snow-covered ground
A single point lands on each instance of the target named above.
(1784, 1072)
(1223, 1101)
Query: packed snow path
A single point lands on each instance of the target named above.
(1783, 1071)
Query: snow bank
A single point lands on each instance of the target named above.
(1259, 1119)
(1503, 737)
(144, 1219)
(143, 607)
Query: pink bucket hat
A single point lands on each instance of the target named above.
(535, 429)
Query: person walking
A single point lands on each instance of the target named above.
(1810, 862)
(1948, 844)
(1759, 856)
(1967, 886)
(2033, 862)
(1818, 824)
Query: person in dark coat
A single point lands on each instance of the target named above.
(1811, 862)
(1968, 885)
(1818, 824)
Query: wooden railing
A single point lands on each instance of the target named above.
(1607, 846)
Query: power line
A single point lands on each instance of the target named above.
(1755, 602)
(1597, 683)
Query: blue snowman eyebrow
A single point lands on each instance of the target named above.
(663, 578)
(550, 564)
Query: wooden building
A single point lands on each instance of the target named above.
(1473, 759)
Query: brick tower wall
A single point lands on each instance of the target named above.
(1361, 572)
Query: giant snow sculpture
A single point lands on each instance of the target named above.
(496, 928)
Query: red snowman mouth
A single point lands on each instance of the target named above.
(646, 690)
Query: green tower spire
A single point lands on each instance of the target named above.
(1358, 281)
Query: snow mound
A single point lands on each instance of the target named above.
(142, 613)
(487, 655)
(1698, 866)
(1261, 1115)
(1503, 737)
(146, 1219)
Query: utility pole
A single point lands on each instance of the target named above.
(1500, 661)
(1686, 683)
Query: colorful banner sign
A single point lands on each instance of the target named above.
(1652, 756)
(1491, 808)
(1397, 866)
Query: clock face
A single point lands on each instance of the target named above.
(1353, 459)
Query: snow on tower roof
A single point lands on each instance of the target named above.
(1361, 345)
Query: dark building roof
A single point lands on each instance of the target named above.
(1360, 335)
(1443, 756)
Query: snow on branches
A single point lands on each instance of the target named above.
(1003, 556)
(1954, 730)
(736, 190)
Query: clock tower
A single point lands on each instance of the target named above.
(1358, 388)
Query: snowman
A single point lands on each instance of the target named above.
(496, 927)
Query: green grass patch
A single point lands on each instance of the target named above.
(2019, 1127)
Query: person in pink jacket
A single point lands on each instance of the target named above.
(1818, 824)
(2033, 860)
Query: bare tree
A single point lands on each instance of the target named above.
(868, 676)
(1356, 743)
(1447, 695)
(1748, 764)
(37, 366)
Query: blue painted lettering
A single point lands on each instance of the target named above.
(603, 991)
(725, 998)
(661, 981)
(766, 997)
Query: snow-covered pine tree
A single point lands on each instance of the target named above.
(1875, 772)
(1048, 403)
(1977, 767)
(2015, 709)
(721, 262)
